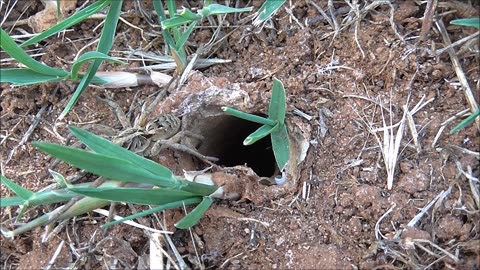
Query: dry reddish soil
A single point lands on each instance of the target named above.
(339, 213)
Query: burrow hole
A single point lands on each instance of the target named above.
(224, 137)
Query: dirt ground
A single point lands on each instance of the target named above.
(338, 213)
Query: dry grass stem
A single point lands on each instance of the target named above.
(457, 43)
(391, 146)
(156, 257)
(104, 212)
(425, 209)
(55, 255)
(428, 18)
(458, 70)
(444, 125)
(379, 234)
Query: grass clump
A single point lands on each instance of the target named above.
(132, 179)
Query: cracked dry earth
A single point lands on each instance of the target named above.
(338, 213)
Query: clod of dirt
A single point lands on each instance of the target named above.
(48, 17)
(413, 181)
(200, 103)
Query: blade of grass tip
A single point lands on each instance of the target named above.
(259, 134)
(278, 103)
(142, 196)
(73, 20)
(194, 217)
(106, 166)
(468, 121)
(281, 146)
(61, 181)
(157, 209)
(104, 46)
(267, 10)
(21, 192)
(249, 117)
(472, 22)
(105, 147)
(12, 49)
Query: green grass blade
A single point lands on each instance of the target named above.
(25, 76)
(21, 192)
(249, 117)
(468, 121)
(171, 205)
(12, 49)
(104, 46)
(91, 56)
(216, 9)
(281, 146)
(472, 22)
(267, 10)
(172, 7)
(174, 22)
(156, 196)
(259, 134)
(74, 19)
(12, 201)
(184, 37)
(278, 103)
(105, 147)
(106, 166)
(194, 217)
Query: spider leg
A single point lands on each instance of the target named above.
(122, 118)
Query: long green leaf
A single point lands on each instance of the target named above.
(25, 76)
(172, 205)
(106, 166)
(278, 103)
(21, 192)
(104, 46)
(105, 147)
(12, 49)
(281, 146)
(259, 134)
(91, 56)
(194, 217)
(156, 196)
(73, 20)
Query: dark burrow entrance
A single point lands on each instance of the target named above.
(224, 137)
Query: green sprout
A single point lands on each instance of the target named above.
(132, 179)
(274, 125)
